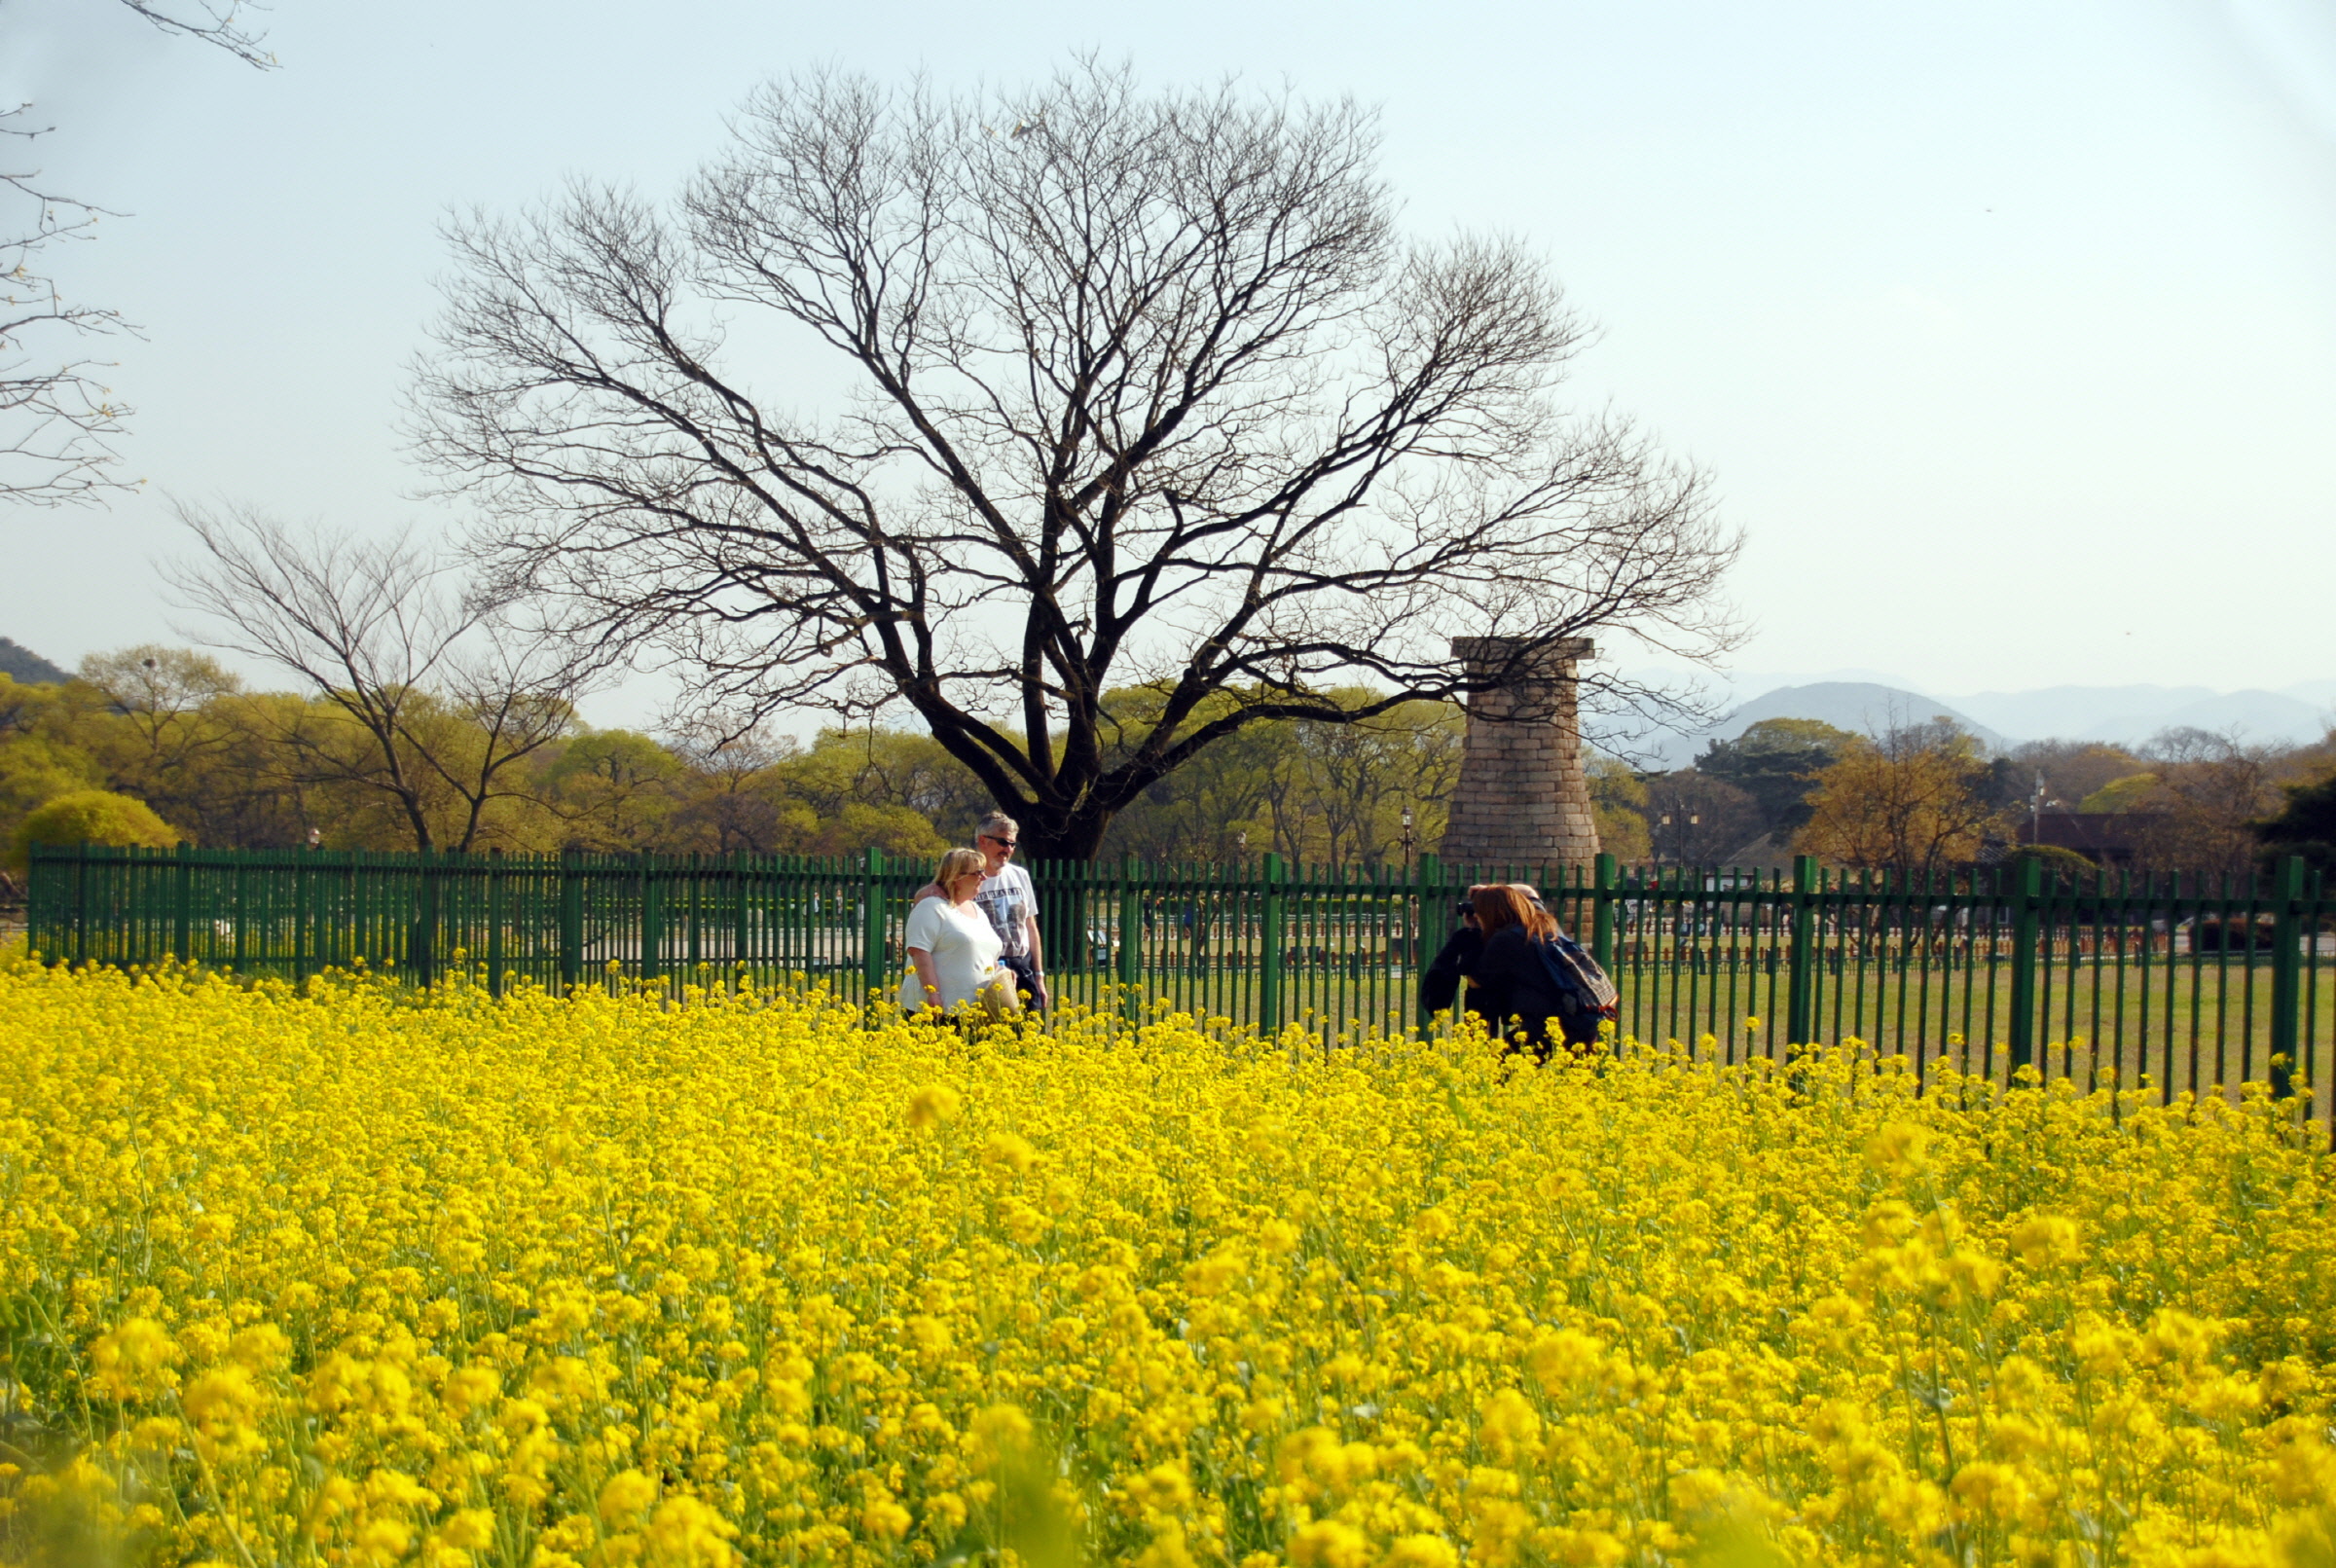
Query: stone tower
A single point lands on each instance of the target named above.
(1523, 799)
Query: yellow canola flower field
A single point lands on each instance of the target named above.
(357, 1277)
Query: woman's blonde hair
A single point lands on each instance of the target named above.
(956, 864)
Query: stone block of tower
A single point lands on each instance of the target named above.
(1523, 799)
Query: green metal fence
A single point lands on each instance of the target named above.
(2193, 985)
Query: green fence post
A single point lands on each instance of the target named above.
(125, 946)
(1800, 976)
(81, 903)
(571, 920)
(424, 949)
(2028, 895)
(872, 954)
(242, 916)
(1269, 939)
(741, 928)
(2287, 972)
(43, 888)
(300, 916)
(495, 898)
(182, 908)
(1131, 940)
(1605, 879)
(1427, 893)
(652, 921)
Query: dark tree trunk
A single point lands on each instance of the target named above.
(1045, 837)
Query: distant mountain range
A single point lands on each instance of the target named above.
(2123, 715)
(1860, 706)
(2130, 714)
(22, 664)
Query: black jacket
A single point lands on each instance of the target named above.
(1512, 983)
(1439, 981)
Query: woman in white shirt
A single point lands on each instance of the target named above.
(952, 947)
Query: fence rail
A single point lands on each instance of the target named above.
(2189, 984)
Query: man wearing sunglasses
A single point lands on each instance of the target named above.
(1011, 902)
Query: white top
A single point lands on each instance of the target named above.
(965, 955)
(1010, 898)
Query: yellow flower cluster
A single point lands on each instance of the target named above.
(352, 1276)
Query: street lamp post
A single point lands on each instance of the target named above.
(1409, 910)
(1679, 833)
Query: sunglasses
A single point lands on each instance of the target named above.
(1002, 843)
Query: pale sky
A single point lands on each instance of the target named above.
(2009, 331)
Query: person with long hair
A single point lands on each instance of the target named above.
(1511, 986)
(953, 951)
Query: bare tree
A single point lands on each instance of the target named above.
(1698, 818)
(1358, 777)
(2211, 790)
(1148, 392)
(57, 416)
(448, 695)
(736, 806)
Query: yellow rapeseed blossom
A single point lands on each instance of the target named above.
(348, 1275)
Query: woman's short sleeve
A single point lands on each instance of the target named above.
(925, 923)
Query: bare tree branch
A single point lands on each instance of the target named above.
(373, 632)
(1149, 393)
(210, 21)
(58, 419)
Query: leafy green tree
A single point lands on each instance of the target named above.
(1617, 804)
(1775, 762)
(1355, 779)
(165, 727)
(1215, 805)
(47, 745)
(2070, 771)
(2122, 793)
(899, 830)
(881, 767)
(2305, 826)
(2068, 865)
(35, 770)
(89, 817)
(1313, 792)
(613, 790)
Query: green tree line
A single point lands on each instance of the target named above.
(173, 732)
(1925, 797)
(224, 766)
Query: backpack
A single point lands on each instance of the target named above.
(1579, 979)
